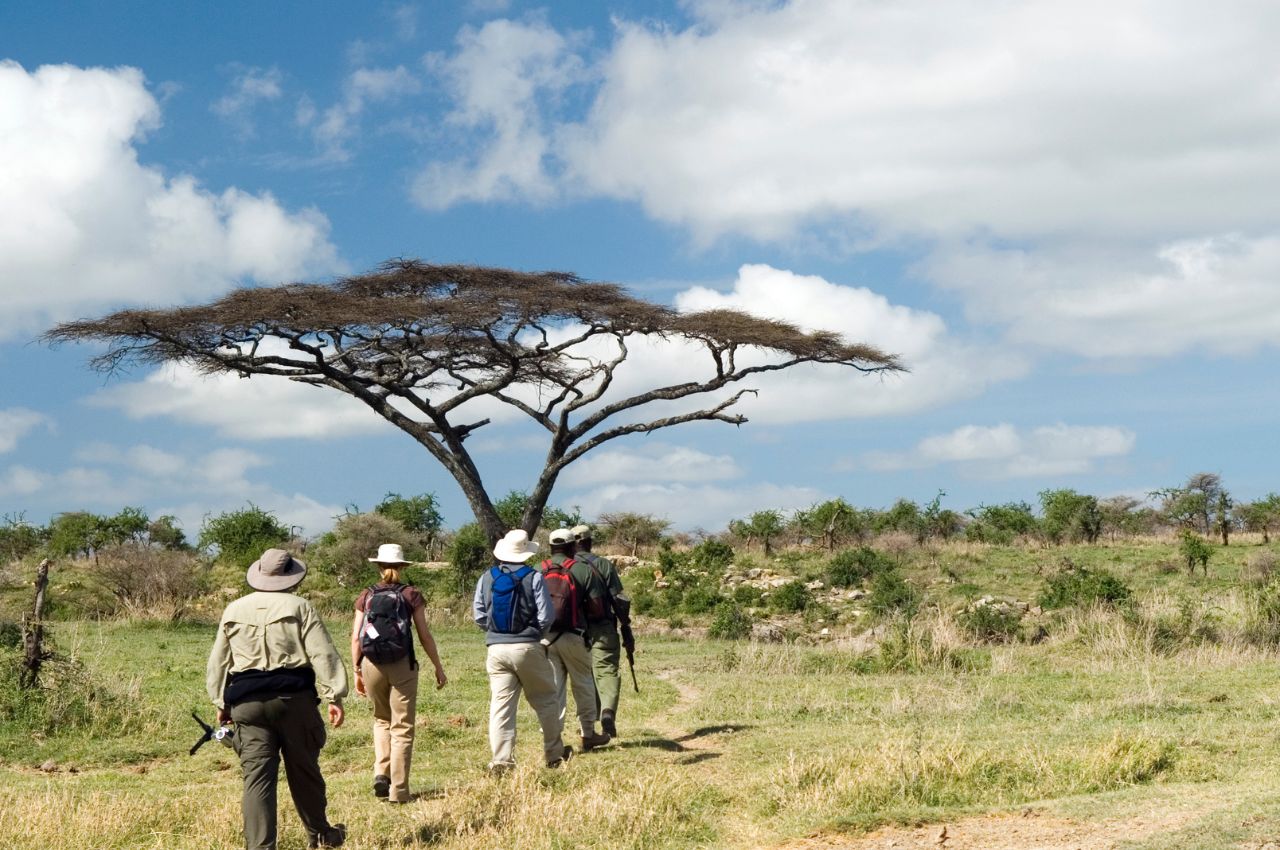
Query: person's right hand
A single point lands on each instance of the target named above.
(441, 678)
(360, 691)
(336, 714)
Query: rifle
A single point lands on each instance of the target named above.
(222, 734)
(629, 641)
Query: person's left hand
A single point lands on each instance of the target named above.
(336, 715)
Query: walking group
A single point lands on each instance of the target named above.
(549, 630)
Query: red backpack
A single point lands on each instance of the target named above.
(565, 602)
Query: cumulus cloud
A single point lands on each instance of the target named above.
(1006, 140)
(657, 462)
(250, 87)
(337, 127)
(186, 486)
(1003, 451)
(84, 226)
(16, 423)
(499, 79)
(690, 506)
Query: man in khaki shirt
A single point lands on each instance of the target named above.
(272, 662)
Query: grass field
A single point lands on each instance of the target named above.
(1098, 736)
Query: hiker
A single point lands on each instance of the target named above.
(272, 663)
(566, 640)
(387, 615)
(608, 609)
(512, 605)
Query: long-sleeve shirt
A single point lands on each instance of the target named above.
(274, 631)
(533, 587)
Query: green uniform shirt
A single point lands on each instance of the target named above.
(273, 631)
(595, 586)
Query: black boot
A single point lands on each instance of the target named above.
(607, 724)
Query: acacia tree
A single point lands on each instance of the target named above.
(417, 342)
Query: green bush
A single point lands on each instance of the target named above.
(469, 555)
(700, 599)
(1082, 586)
(891, 593)
(854, 566)
(746, 594)
(241, 536)
(711, 555)
(730, 622)
(1262, 623)
(991, 623)
(791, 597)
(69, 700)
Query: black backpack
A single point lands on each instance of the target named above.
(387, 632)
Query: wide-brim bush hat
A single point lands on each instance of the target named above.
(581, 532)
(515, 547)
(391, 554)
(275, 570)
(560, 536)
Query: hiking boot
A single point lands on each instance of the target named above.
(334, 836)
(382, 786)
(564, 758)
(499, 769)
(590, 742)
(607, 724)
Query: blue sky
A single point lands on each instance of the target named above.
(1064, 219)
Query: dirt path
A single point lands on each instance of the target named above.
(1031, 829)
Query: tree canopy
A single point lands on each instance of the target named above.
(416, 342)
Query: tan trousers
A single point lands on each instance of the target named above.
(513, 667)
(571, 666)
(393, 690)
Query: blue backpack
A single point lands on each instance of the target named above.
(506, 615)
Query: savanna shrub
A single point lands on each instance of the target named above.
(241, 536)
(991, 623)
(711, 555)
(1260, 568)
(700, 599)
(1262, 618)
(746, 594)
(150, 583)
(854, 566)
(1194, 550)
(1081, 586)
(730, 622)
(792, 596)
(891, 593)
(469, 555)
(344, 551)
(68, 700)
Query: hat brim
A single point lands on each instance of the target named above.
(259, 580)
(389, 563)
(509, 554)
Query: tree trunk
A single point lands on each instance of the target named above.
(33, 632)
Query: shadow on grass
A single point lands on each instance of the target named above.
(676, 745)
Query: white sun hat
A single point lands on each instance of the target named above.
(515, 547)
(390, 553)
(561, 535)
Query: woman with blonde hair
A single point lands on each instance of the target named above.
(387, 615)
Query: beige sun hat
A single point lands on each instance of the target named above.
(275, 570)
(389, 553)
(581, 532)
(515, 547)
(561, 535)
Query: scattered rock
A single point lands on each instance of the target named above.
(856, 593)
(816, 584)
(754, 573)
(458, 721)
(50, 766)
(767, 633)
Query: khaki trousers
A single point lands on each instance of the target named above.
(393, 691)
(266, 729)
(513, 667)
(571, 667)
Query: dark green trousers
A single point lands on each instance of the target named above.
(267, 730)
(606, 652)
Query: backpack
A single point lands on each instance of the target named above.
(563, 589)
(506, 615)
(387, 632)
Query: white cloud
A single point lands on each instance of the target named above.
(338, 126)
(258, 408)
(496, 79)
(16, 423)
(22, 480)
(658, 462)
(1217, 294)
(85, 227)
(1003, 451)
(690, 506)
(250, 87)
